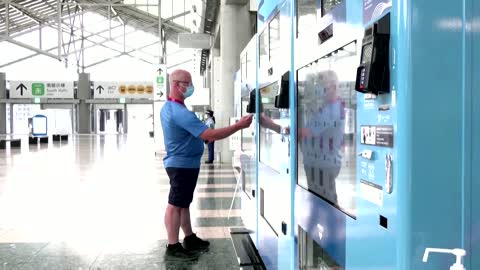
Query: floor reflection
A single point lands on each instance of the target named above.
(97, 202)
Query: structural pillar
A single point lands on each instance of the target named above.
(3, 106)
(235, 33)
(83, 112)
(125, 119)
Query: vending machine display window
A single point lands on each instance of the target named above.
(248, 158)
(275, 45)
(243, 68)
(306, 15)
(326, 161)
(328, 5)
(251, 69)
(263, 48)
(311, 256)
(271, 152)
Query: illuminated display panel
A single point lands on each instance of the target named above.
(328, 5)
(272, 152)
(243, 68)
(306, 15)
(39, 125)
(263, 48)
(275, 44)
(251, 69)
(326, 162)
(248, 146)
(312, 256)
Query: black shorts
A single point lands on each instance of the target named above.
(182, 185)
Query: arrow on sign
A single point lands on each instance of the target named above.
(100, 88)
(160, 71)
(21, 87)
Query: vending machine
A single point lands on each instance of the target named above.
(369, 156)
(383, 135)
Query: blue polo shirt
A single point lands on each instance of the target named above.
(181, 131)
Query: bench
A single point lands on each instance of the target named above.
(59, 137)
(35, 140)
(14, 143)
(32, 140)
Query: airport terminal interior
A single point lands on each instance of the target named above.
(363, 152)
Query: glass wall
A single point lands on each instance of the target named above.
(59, 121)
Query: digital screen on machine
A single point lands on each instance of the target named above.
(39, 125)
(306, 15)
(326, 162)
(271, 151)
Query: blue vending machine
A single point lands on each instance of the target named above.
(473, 99)
(245, 154)
(275, 234)
(385, 108)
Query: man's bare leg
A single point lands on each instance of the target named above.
(185, 221)
(172, 223)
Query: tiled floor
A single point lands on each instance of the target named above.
(98, 203)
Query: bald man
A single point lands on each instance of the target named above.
(184, 134)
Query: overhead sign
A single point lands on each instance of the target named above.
(36, 89)
(134, 90)
(160, 83)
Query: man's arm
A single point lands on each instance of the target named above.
(219, 133)
(268, 123)
(222, 133)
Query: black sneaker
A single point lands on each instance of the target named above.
(192, 242)
(209, 162)
(177, 250)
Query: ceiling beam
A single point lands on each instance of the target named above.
(105, 39)
(34, 15)
(124, 53)
(55, 47)
(177, 16)
(26, 46)
(123, 11)
(51, 21)
(26, 13)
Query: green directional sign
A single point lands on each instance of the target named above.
(38, 89)
(160, 79)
